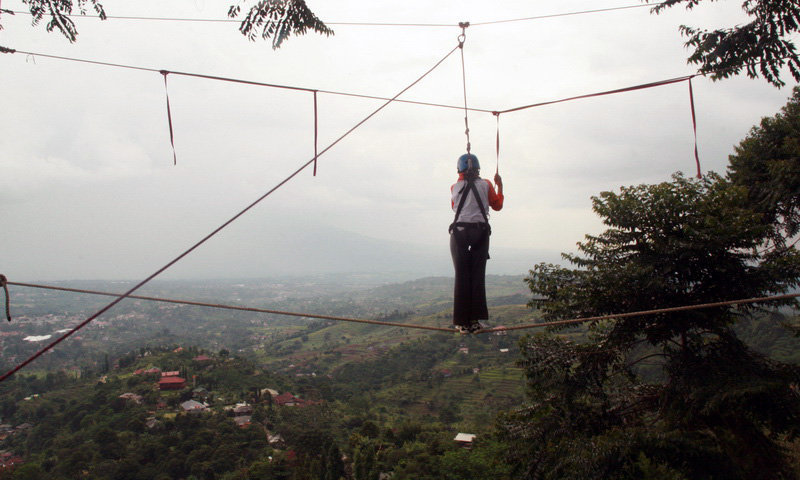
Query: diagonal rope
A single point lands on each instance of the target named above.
(218, 229)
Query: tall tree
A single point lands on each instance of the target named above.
(767, 164)
(713, 408)
(761, 47)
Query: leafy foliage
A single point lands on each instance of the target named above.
(275, 19)
(278, 19)
(59, 12)
(767, 164)
(761, 47)
(717, 409)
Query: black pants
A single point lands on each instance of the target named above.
(469, 247)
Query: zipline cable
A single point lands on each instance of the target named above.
(217, 230)
(657, 83)
(360, 24)
(236, 80)
(422, 327)
(232, 307)
(640, 313)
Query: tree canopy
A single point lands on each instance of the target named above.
(673, 395)
(760, 48)
(767, 164)
(268, 19)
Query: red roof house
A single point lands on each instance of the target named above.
(171, 383)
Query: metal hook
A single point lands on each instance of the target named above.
(463, 36)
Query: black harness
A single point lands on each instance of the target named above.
(470, 183)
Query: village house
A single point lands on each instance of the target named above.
(132, 397)
(272, 393)
(276, 441)
(287, 400)
(171, 383)
(242, 409)
(465, 439)
(242, 421)
(193, 406)
(9, 460)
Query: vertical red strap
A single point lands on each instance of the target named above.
(497, 143)
(4, 285)
(169, 119)
(316, 133)
(694, 127)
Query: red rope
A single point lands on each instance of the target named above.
(4, 285)
(600, 94)
(169, 119)
(694, 127)
(316, 154)
(497, 143)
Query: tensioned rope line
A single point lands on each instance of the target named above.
(641, 313)
(232, 307)
(466, 109)
(218, 229)
(657, 83)
(236, 80)
(422, 327)
(363, 24)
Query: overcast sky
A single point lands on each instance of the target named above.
(87, 183)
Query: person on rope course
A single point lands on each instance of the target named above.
(470, 197)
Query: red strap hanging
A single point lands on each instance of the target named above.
(316, 131)
(169, 119)
(694, 127)
(497, 143)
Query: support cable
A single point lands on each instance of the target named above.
(360, 24)
(237, 80)
(658, 83)
(422, 327)
(215, 231)
(613, 316)
(233, 307)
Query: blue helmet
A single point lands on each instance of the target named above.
(468, 161)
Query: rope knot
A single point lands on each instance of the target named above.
(7, 50)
